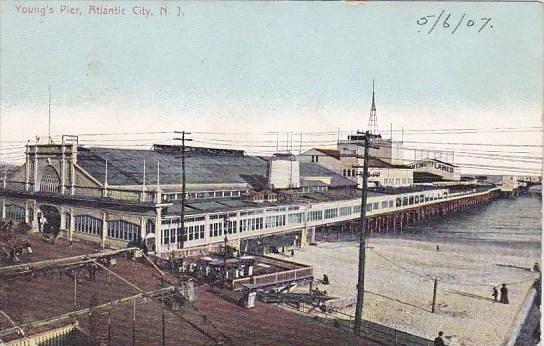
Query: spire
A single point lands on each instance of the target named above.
(373, 119)
(373, 107)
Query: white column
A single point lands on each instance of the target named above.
(142, 228)
(73, 160)
(62, 171)
(27, 169)
(35, 227)
(72, 227)
(27, 214)
(62, 219)
(158, 225)
(35, 168)
(207, 229)
(104, 229)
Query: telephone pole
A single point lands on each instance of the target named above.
(181, 229)
(363, 235)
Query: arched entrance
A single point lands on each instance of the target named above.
(49, 219)
(49, 181)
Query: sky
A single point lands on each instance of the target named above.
(271, 66)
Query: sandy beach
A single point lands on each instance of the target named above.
(399, 285)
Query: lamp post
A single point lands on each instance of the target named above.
(225, 262)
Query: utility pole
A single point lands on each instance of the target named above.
(181, 229)
(362, 236)
(49, 120)
(434, 295)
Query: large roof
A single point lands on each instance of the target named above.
(330, 152)
(125, 166)
(203, 166)
(375, 162)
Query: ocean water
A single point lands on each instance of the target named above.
(510, 222)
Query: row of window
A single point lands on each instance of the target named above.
(275, 221)
(314, 215)
(349, 173)
(344, 211)
(309, 189)
(331, 213)
(88, 224)
(397, 181)
(193, 232)
(251, 224)
(296, 218)
(202, 195)
(117, 229)
(15, 213)
(120, 229)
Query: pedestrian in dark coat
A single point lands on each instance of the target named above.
(495, 293)
(504, 294)
(438, 341)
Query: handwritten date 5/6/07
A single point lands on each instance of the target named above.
(447, 21)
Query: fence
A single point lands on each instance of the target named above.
(274, 278)
(369, 330)
(63, 336)
(521, 315)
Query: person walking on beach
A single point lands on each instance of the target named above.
(438, 341)
(495, 293)
(536, 267)
(504, 294)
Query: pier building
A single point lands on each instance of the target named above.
(117, 197)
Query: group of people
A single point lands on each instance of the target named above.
(14, 248)
(504, 294)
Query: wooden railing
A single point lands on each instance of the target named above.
(63, 336)
(274, 278)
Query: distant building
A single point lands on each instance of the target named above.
(381, 172)
(430, 170)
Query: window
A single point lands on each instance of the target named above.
(120, 229)
(295, 218)
(88, 224)
(411, 200)
(369, 207)
(67, 219)
(344, 211)
(15, 213)
(165, 236)
(391, 203)
(353, 173)
(149, 226)
(384, 204)
(315, 215)
(357, 209)
(398, 202)
(331, 213)
(50, 181)
(216, 229)
(231, 226)
(376, 206)
(349, 173)
(344, 173)
(404, 201)
(275, 221)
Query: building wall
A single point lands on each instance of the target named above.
(316, 156)
(444, 170)
(393, 177)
